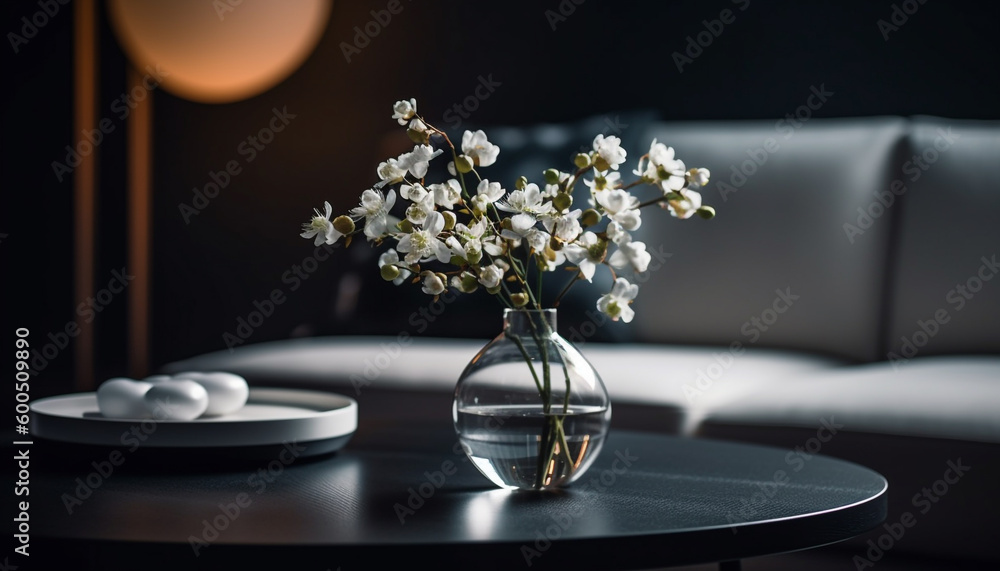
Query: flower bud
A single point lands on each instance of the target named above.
(434, 283)
(519, 299)
(343, 224)
(590, 217)
(473, 253)
(468, 283)
(562, 201)
(550, 253)
(581, 160)
(522, 181)
(405, 225)
(389, 272)
(494, 290)
(449, 219)
(463, 164)
(598, 250)
(551, 176)
(601, 164)
(418, 137)
(706, 212)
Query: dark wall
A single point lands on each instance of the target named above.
(550, 62)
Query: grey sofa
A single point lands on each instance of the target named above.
(841, 303)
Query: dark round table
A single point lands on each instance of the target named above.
(403, 494)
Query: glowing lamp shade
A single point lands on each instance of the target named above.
(222, 51)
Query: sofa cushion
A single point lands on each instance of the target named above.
(946, 292)
(907, 423)
(952, 397)
(782, 197)
(658, 388)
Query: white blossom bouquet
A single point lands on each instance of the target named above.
(469, 232)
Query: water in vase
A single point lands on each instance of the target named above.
(505, 443)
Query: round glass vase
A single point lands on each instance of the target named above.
(530, 411)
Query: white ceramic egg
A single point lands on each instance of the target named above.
(227, 392)
(121, 397)
(177, 399)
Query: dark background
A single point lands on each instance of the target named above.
(602, 59)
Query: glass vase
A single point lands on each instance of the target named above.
(530, 411)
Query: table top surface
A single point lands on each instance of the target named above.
(400, 493)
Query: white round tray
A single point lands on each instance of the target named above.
(271, 417)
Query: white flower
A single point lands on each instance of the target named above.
(630, 253)
(621, 206)
(404, 110)
(418, 160)
(321, 227)
(418, 211)
(616, 233)
(446, 194)
(491, 190)
(455, 245)
(391, 258)
(472, 251)
(615, 304)
(586, 253)
(423, 244)
(473, 232)
(606, 181)
(672, 180)
(480, 203)
(663, 169)
(537, 239)
(522, 223)
(475, 146)
(523, 226)
(566, 227)
(390, 172)
(473, 248)
(494, 245)
(689, 203)
(697, 177)
(415, 192)
(490, 276)
(374, 208)
(527, 201)
(433, 284)
(610, 150)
